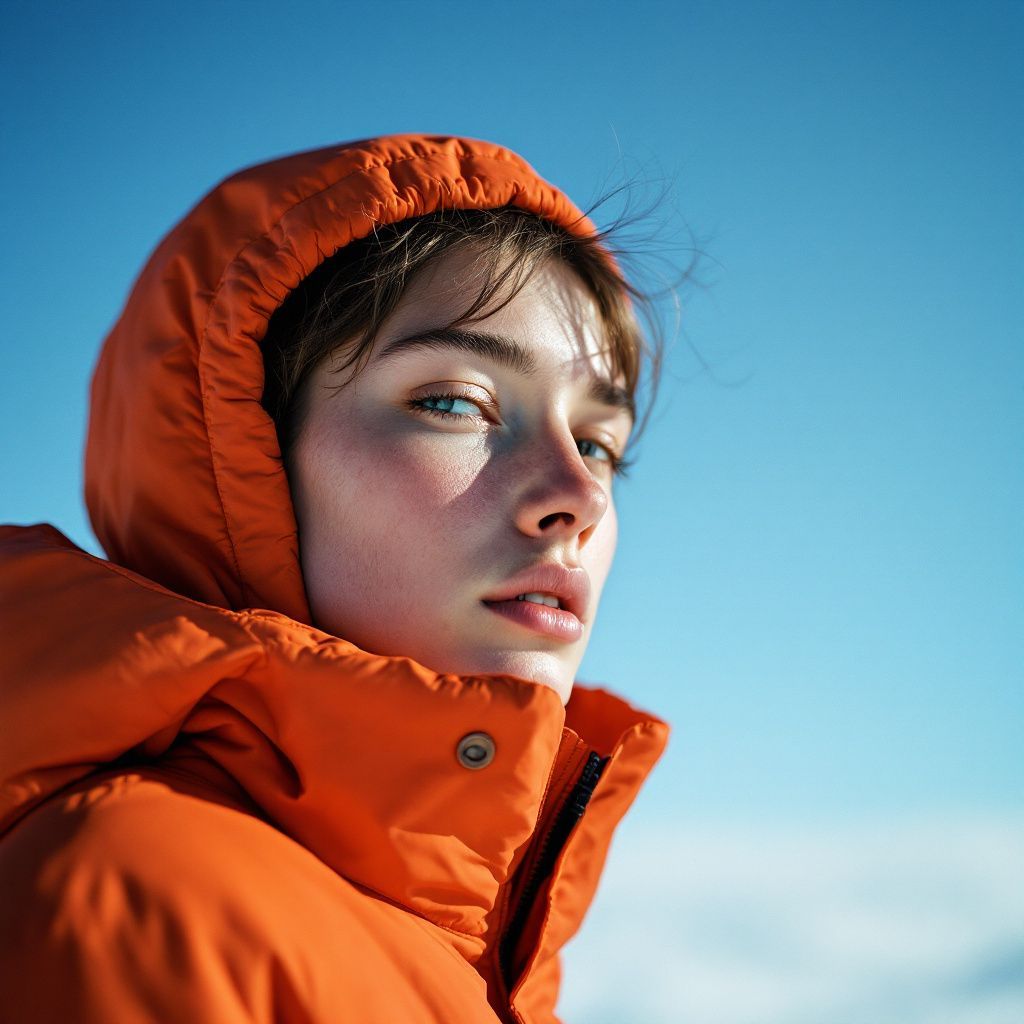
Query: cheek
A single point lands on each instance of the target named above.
(420, 475)
(399, 492)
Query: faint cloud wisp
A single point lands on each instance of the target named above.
(912, 923)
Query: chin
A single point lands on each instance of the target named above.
(544, 667)
(537, 666)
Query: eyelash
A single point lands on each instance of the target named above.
(618, 464)
(419, 404)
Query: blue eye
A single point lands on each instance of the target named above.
(449, 404)
(602, 453)
(591, 449)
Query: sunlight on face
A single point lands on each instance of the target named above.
(454, 501)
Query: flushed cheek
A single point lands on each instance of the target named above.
(386, 561)
(423, 473)
(414, 497)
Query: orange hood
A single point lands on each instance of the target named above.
(193, 642)
(183, 476)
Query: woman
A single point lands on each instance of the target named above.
(308, 746)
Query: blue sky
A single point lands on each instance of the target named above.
(820, 577)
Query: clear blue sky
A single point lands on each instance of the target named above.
(820, 578)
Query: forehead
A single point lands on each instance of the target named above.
(554, 316)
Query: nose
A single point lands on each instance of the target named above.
(563, 499)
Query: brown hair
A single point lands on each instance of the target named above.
(343, 303)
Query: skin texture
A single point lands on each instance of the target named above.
(409, 519)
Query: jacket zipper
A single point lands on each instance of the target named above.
(550, 847)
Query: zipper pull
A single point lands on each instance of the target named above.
(584, 789)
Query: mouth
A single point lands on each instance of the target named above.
(550, 599)
(540, 613)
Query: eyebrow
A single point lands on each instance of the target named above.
(496, 347)
(506, 352)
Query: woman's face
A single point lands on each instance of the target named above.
(454, 501)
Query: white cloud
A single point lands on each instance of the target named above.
(912, 923)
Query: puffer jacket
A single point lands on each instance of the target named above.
(212, 811)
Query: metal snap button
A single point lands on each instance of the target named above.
(475, 750)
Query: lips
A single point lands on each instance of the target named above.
(541, 583)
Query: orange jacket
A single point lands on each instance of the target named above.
(212, 811)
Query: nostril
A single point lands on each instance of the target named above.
(565, 517)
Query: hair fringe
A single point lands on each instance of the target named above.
(341, 305)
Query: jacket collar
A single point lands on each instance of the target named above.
(351, 754)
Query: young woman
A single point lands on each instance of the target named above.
(308, 746)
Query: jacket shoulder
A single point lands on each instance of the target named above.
(152, 898)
